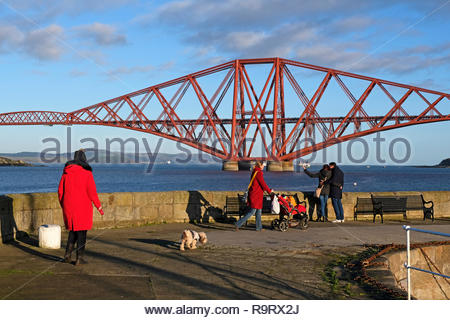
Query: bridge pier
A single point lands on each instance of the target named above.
(230, 165)
(288, 166)
(279, 166)
(273, 166)
(246, 165)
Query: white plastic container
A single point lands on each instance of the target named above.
(50, 236)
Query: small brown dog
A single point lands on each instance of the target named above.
(189, 238)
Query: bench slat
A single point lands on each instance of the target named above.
(414, 202)
(232, 206)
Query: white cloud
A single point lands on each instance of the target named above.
(236, 13)
(41, 11)
(10, 37)
(244, 39)
(338, 34)
(45, 43)
(101, 34)
(328, 55)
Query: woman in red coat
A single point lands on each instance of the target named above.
(76, 194)
(255, 196)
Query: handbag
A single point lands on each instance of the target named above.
(318, 191)
(245, 196)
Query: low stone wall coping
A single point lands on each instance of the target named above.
(26, 212)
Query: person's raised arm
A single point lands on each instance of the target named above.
(312, 175)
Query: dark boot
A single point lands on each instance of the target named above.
(81, 245)
(70, 245)
(80, 258)
(68, 254)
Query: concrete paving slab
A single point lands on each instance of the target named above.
(145, 263)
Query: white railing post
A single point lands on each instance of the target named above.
(408, 261)
(407, 264)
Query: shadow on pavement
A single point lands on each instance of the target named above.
(36, 253)
(160, 242)
(224, 280)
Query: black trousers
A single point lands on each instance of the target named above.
(80, 238)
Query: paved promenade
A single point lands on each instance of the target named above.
(145, 263)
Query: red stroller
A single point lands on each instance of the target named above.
(290, 216)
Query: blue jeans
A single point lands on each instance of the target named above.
(323, 205)
(250, 213)
(337, 206)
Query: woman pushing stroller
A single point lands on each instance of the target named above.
(255, 196)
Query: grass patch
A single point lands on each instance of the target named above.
(340, 274)
(343, 287)
(9, 272)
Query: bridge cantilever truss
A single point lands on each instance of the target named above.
(161, 110)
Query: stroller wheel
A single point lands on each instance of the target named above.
(303, 224)
(275, 223)
(284, 225)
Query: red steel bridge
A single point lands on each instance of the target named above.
(232, 109)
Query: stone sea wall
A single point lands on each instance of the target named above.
(26, 212)
(424, 286)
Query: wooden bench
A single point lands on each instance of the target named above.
(233, 206)
(417, 202)
(392, 205)
(362, 206)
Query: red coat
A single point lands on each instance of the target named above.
(76, 193)
(256, 191)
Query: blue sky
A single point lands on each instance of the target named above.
(68, 54)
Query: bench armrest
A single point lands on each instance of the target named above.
(428, 202)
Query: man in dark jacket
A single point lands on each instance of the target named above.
(336, 184)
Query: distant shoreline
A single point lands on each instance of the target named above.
(435, 166)
(6, 162)
(444, 164)
(33, 159)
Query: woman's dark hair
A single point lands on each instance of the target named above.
(79, 158)
(260, 163)
(326, 167)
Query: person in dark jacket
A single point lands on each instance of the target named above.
(255, 196)
(76, 193)
(336, 184)
(324, 175)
